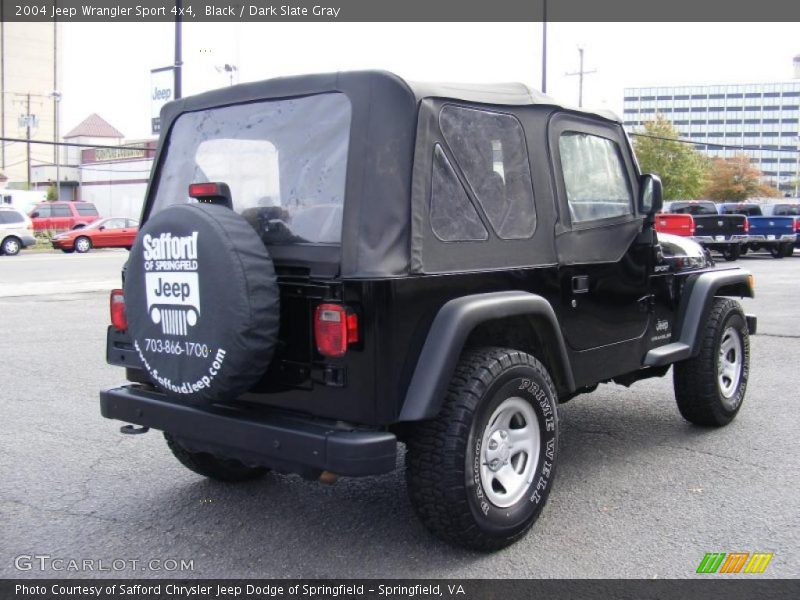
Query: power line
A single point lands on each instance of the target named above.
(111, 170)
(715, 145)
(74, 144)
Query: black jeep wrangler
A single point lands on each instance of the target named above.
(332, 264)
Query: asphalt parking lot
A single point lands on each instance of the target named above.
(639, 493)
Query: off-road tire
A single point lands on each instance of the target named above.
(696, 381)
(214, 467)
(444, 454)
(731, 253)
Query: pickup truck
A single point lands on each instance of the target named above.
(776, 234)
(700, 220)
(785, 209)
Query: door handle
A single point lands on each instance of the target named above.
(580, 284)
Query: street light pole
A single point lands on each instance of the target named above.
(544, 47)
(178, 49)
(797, 171)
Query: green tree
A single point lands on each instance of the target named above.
(682, 169)
(736, 179)
(52, 194)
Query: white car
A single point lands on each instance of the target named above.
(16, 231)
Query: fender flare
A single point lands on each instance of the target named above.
(448, 333)
(698, 294)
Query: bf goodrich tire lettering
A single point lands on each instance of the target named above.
(202, 303)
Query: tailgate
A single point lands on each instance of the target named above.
(771, 227)
(720, 227)
(679, 224)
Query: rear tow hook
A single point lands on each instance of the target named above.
(133, 430)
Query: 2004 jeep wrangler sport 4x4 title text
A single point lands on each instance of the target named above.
(332, 264)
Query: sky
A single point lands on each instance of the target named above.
(106, 66)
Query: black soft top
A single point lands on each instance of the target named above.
(377, 219)
(380, 85)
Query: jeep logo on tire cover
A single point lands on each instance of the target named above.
(171, 282)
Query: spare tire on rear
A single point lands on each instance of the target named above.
(202, 303)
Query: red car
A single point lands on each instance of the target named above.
(116, 232)
(59, 216)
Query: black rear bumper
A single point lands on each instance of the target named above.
(278, 441)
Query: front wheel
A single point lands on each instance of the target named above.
(214, 467)
(710, 387)
(82, 245)
(480, 472)
(11, 246)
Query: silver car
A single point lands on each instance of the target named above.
(16, 231)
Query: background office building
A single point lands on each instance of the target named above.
(765, 116)
(28, 77)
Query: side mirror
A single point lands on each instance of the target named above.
(101, 228)
(33, 215)
(650, 200)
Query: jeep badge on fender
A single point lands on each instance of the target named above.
(329, 265)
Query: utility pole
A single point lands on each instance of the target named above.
(544, 47)
(57, 99)
(28, 137)
(580, 73)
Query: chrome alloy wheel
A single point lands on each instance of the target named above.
(509, 452)
(11, 247)
(82, 245)
(729, 366)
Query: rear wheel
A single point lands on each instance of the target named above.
(788, 250)
(480, 472)
(11, 246)
(731, 253)
(82, 244)
(710, 387)
(776, 251)
(213, 467)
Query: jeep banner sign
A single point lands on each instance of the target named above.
(162, 86)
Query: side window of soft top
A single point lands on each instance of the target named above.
(595, 178)
(490, 149)
(453, 217)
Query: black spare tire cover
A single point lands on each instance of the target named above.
(202, 303)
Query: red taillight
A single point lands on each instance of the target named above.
(691, 227)
(797, 225)
(117, 304)
(334, 329)
(203, 190)
(746, 225)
